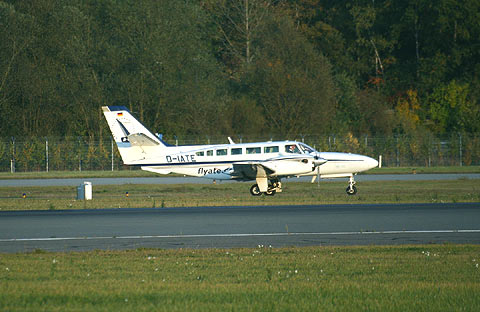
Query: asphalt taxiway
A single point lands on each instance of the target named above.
(228, 227)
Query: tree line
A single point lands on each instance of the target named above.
(241, 67)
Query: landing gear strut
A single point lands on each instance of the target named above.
(351, 189)
(273, 187)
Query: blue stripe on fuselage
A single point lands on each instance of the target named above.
(224, 162)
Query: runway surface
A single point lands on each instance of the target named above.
(181, 180)
(227, 227)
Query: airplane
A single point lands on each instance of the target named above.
(266, 163)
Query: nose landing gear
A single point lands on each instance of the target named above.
(351, 189)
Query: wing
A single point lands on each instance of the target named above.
(284, 165)
(245, 171)
(253, 171)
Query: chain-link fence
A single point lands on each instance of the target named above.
(63, 154)
(81, 153)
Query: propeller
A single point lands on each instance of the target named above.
(317, 162)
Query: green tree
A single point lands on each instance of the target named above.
(240, 24)
(450, 110)
(407, 112)
(377, 117)
(291, 82)
(164, 67)
(18, 32)
(348, 114)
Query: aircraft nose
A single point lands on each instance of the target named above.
(370, 163)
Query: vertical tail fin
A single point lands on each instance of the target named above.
(135, 143)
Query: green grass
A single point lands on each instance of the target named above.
(415, 170)
(402, 278)
(236, 194)
(140, 173)
(405, 278)
(77, 174)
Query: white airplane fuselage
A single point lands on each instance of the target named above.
(185, 160)
(265, 162)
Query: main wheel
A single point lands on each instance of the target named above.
(255, 190)
(352, 191)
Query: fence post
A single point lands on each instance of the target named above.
(46, 154)
(398, 154)
(429, 157)
(111, 141)
(12, 162)
(80, 154)
(460, 148)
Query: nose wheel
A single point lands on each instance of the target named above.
(351, 189)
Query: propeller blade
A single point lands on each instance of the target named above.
(319, 161)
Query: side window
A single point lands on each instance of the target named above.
(210, 153)
(292, 148)
(236, 151)
(254, 150)
(200, 153)
(221, 152)
(271, 149)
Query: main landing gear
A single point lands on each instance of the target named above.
(351, 189)
(274, 186)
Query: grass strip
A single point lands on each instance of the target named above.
(134, 173)
(420, 170)
(127, 173)
(386, 278)
(237, 194)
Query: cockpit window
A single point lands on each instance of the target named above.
(306, 149)
(292, 148)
